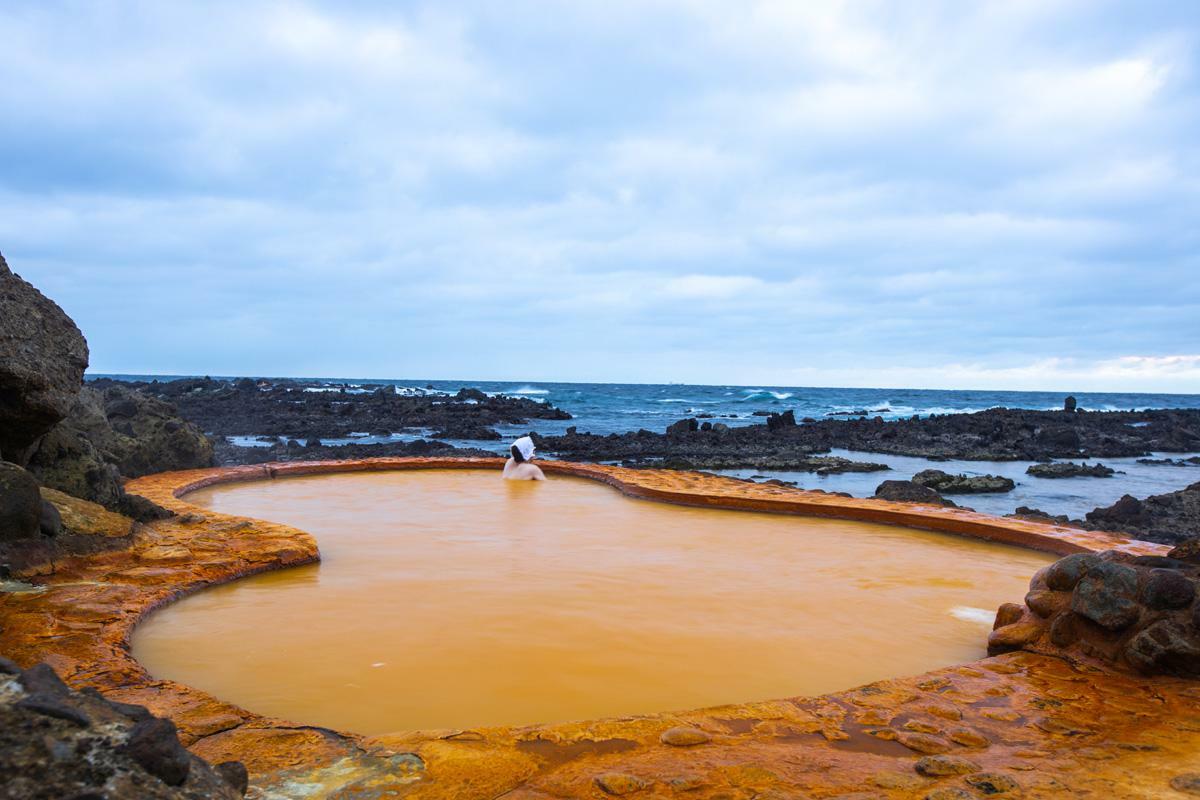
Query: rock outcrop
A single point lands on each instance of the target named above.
(1137, 612)
(42, 359)
(112, 434)
(945, 483)
(1169, 518)
(57, 743)
(909, 492)
(1067, 469)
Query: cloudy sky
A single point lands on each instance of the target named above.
(918, 194)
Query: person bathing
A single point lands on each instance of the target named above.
(518, 468)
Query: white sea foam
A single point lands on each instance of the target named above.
(971, 614)
(528, 390)
(765, 394)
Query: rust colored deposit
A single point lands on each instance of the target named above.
(1022, 724)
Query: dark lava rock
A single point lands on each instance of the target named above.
(777, 422)
(1165, 647)
(42, 359)
(1187, 551)
(50, 521)
(154, 743)
(113, 433)
(141, 509)
(1169, 518)
(235, 774)
(1067, 469)
(909, 492)
(945, 483)
(1167, 588)
(20, 503)
(1069, 404)
(1107, 595)
(1064, 574)
(56, 743)
(683, 427)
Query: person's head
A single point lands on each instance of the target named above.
(522, 450)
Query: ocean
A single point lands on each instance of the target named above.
(605, 408)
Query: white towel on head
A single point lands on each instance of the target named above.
(525, 446)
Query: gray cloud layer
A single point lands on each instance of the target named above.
(927, 194)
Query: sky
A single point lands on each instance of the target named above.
(922, 194)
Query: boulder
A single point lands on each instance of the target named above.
(1137, 612)
(1107, 595)
(42, 359)
(777, 422)
(1069, 404)
(55, 742)
(683, 426)
(20, 504)
(909, 492)
(945, 483)
(1067, 469)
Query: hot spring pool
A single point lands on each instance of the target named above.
(453, 599)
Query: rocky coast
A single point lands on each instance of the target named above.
(1092, 692)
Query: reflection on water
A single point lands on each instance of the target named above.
(454, 599)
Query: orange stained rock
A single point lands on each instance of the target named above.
(1021, 725)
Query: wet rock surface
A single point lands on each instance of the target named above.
(1170, 518)
(42, 359)
(999, 434)
(1137, 612)
(945, 483)
(57, 743)
(910, 492)
(1068, 469)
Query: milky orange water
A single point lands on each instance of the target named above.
(450, 599)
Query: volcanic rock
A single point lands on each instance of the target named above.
(909, 492)
(1107, 595)
(20, 503)
(945, 483)
(1067, 469)
(56, 743)
(1170, 518)
(42, 359)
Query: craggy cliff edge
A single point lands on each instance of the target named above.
(1018, 725)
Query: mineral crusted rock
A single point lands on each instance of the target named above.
(1140, 613)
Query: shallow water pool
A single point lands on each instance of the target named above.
(453, 599)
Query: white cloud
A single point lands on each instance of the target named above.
(934, 192)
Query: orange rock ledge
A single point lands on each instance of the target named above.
(1018, 725)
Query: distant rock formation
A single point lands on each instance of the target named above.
(42, 359)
